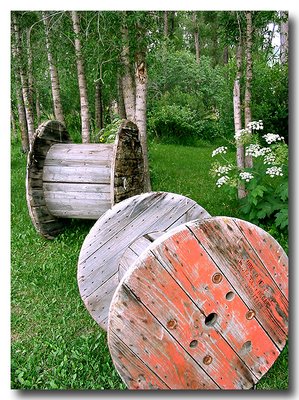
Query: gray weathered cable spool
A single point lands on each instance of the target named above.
(119, 237)
(66, 180)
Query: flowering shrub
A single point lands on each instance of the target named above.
(266, 183)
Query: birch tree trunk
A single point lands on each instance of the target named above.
(196, 38)
(55, 86)
(165, 15)
(284, 37)
(30, 70)
(23, 79)
(98, 106)
(22, 120)
(20, 103)
(37, 107)
(238, 119)
(81, 80)
(247, 99)
(127, 80)
(140, 113)
(120, 95)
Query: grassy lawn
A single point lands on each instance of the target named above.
(55, 344)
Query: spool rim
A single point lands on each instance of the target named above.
(48, 133)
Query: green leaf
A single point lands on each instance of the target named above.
(282, 218)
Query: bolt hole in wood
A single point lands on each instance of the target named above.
(229, 296)
(246, 348)
(193, 344)
(211, 319)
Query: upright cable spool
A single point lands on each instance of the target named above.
(205, 306)
(117, 239)
(66, 180)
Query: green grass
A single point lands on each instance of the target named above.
(55, 344)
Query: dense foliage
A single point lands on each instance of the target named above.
(187, 100)
(191, 66)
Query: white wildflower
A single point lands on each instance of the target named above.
(221, 181)
(272, 137)
(274, 171)
(269, 159)
(246, 176)
(223, 169)
(241, 133)
(219, 150)
(264, 150)
(253, 150)
(255, 125)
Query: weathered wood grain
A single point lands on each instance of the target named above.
(77, 188)
(133, 371)
(241, 265)
(127, 168)
(148, 340)
(110, 237)
(72, 152)
(82, 174)
(181, 291)
(46, 135)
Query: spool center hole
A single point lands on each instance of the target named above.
(211, 319)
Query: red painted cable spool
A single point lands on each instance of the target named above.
(204, 307)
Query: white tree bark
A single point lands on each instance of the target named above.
(247, 99)
(24, 82)
(20, 105)
(238, 120)
(85, 122)
(196, 37)
(22, 120)
(284, 37)
(127, 80)
(140, 113)
(55, 86)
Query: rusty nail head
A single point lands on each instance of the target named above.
(171, 324)
(250, 314)
(217, 278)
(207, 360)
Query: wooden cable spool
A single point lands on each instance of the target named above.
(119, 237)
(67, 180)
(205, 306)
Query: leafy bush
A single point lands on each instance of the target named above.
(173, 124)
(108, 134)
(184, 97)
(266, 183)
(270, 96)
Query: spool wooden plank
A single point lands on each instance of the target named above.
(76, 188)
(87, 152)
(100, 267)
(81, 174)
(187, 293)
